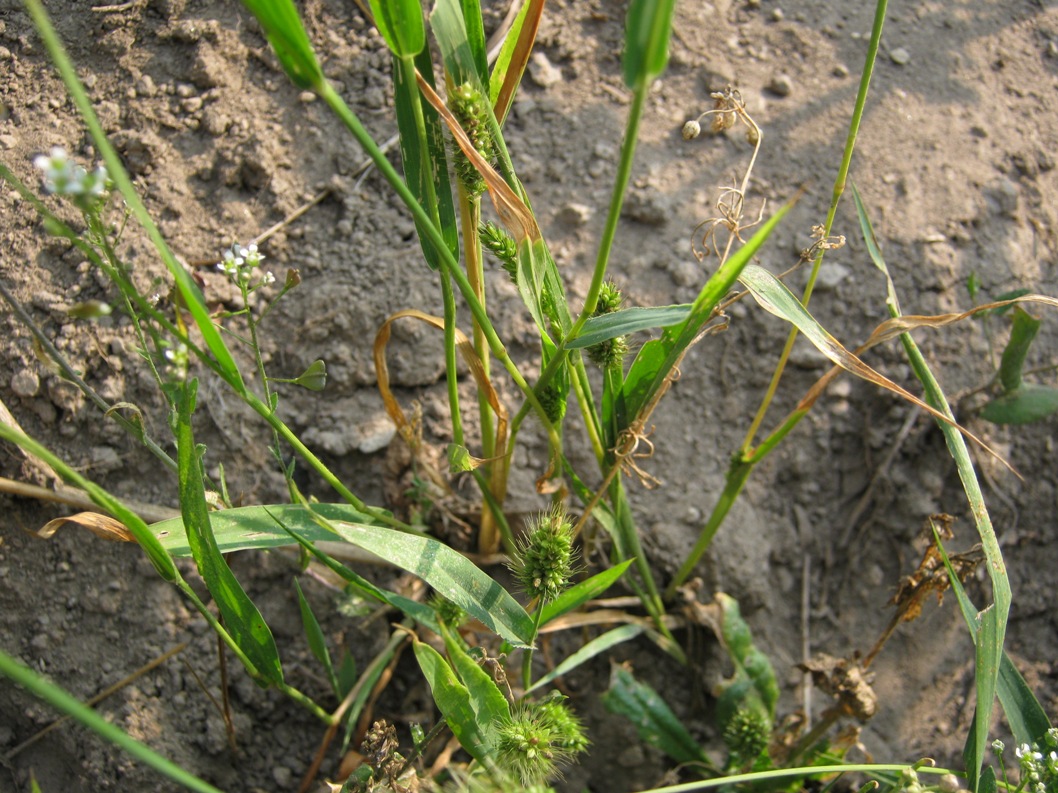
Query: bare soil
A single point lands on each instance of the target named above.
(956, 162)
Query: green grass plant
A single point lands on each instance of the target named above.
(453, 153)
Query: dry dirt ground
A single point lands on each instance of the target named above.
(956, 162)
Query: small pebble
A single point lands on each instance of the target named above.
(574, 214)
(376, 434)
(306, 97)
(1002, 195)
(900, 56)
(777, 15)
(781, 85)
(145, 86)
(543, 72)
(841, 70)
(25, 383)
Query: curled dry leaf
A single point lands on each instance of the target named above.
(466, 349)
(847, 682)
(490, 537)
(931, 575)
(102, 526)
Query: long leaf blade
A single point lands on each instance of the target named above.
(451, 574)
(490, 706)
(1027, 719)
(282, 26)
(584, 591)
(244, 622)
(599, 644)
(401, 24)
(654, 720)
(317, 641)
(647, 30)
(988, 658)
(626, 321)
(256, 528)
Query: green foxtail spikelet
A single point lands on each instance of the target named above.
(612, 351)
(566, 730)
(538, 739)
(447, 611)
(544, 562)
(501, 245)
(554, 403)
(468, 106)
(746, 735)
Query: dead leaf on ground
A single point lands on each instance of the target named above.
(847, 682)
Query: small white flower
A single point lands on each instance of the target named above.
(252, 256)
(269, 278)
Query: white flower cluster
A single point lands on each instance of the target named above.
(1039, 764)
(240, 262)
(63, 176)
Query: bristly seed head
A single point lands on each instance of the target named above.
(612, 351)
(468, 106)
(501, 245)
(538, 739)
(544, 562)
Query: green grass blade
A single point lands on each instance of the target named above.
(581, 593)
(654, 720)
(419, 612)
(450, 573)
(647, 30)
(242, 619)
(453, 700)
(189, 291)
(421, 163)
(656, 359)
(531, 273)
(255, 528)
(67, 704)
(317, 641)
(596, 646)
(875, 252)
(158, 555)
(476, 37)
(401, 24)
(988, 656)
(282, 27)
(989, 637)
(1027, 719)
(627, 320)
(450, 30)
(488, 702)
(510, 64)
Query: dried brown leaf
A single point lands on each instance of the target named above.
(102, 526)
